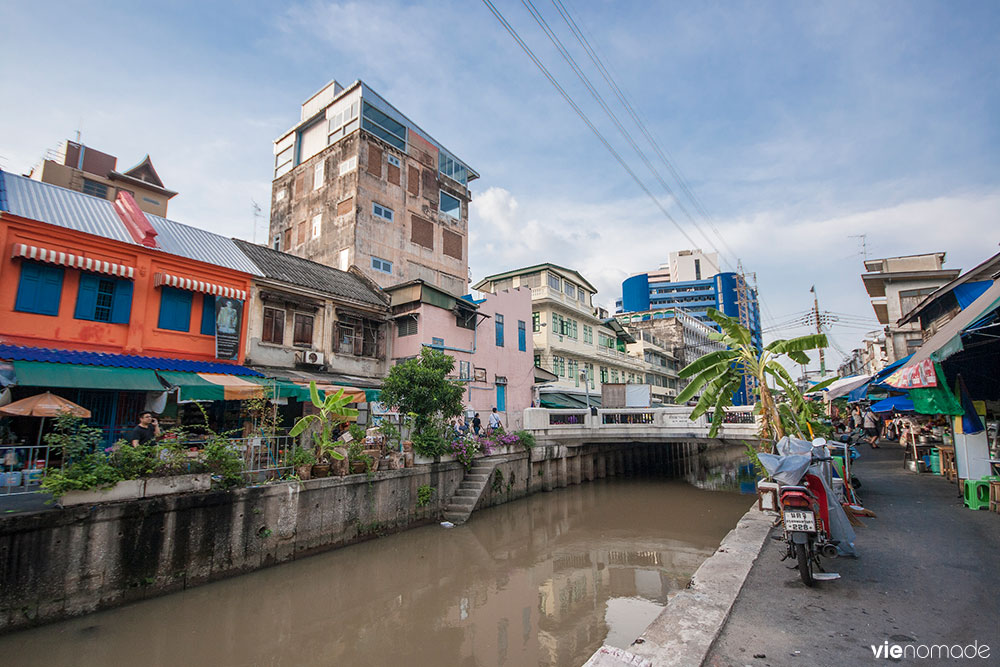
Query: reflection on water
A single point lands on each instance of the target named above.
(541, 581)
(722, 469)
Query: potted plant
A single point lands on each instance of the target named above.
(359, 460)
(303, 461)
(332, 412)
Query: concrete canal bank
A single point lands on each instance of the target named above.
(60, 563)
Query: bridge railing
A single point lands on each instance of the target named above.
(738, 422)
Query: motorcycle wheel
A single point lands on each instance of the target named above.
(805, 564)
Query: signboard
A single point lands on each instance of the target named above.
(914, 376)
(228, 325)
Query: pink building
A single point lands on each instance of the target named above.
(487, 337)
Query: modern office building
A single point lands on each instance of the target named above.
(358, 183)
(75, 166)
(685, 286)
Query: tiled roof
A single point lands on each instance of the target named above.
(23, 353)
(35, 200)
(180, 239)
(306, 273)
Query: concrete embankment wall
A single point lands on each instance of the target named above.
(60, 563)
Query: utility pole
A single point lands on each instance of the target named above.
(864, 244)
(257, 215)
(819, 330)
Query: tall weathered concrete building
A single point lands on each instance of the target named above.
(358, 183)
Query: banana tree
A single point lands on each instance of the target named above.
(719, 374)
(333, 412)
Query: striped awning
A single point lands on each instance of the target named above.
(73, 261)
(198, 286)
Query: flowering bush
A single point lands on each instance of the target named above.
(468, 447)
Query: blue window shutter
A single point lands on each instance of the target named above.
(39, 289)
(86, 298)
(501, 398)
(521, 344)
(208, 314)
(175, 309)
(121, 305)
(499, 325)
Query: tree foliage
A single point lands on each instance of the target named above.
(421, 386)
(719, 374)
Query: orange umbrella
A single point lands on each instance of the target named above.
(44, 405)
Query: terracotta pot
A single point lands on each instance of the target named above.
(407, 445)
(339, 467)
(408, 459)
(304, 472)
(376, 456)
(321, 470)
(358, 467)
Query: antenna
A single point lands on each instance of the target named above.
(864, 243)
(257, 215)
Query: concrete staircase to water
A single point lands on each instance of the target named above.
(460, 506)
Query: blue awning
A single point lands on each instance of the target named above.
(966, 293)
(897, 403)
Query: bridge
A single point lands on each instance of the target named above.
(636, 425)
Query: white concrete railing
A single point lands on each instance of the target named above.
(641, 422)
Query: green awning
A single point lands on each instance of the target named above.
(224, 387)
(78, 376)
(936, 400)
(372, 395)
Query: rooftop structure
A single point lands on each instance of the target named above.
(357, 183)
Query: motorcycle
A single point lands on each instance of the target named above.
(814, 522)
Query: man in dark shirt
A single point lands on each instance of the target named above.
(145, 431)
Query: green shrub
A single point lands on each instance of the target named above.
(424, 494)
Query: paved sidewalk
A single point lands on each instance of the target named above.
(928, 572)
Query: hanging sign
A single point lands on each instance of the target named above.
(228, 324)
(914, 376)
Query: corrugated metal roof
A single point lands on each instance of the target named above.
(306, 273)
(179, 239)
(66, 208)
(22, 353)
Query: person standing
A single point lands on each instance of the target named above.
(494, 420)
(477, 424)
(870, 421)
(147, 430)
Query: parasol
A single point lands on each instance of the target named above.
(43, 405)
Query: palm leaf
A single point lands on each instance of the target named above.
(799, 344)
(730, 326)
(301, 425)
(711, 359)
(697, 383)
(798, 357)
(725, 397)
(824, 384)
(314, 394)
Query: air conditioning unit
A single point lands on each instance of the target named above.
(309, 357)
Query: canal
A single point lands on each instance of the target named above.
(545, 580)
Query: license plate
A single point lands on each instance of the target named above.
(800, 520)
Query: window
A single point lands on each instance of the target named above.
(697, 269)
(357, 336)
(406, 326)
(590, 374)
(317, 225)
(437, 342)
(95, 189)
(155, 202)
(499, 326)
(554, 281)
(538, 360)
(344, 259)
(348, 165)
(559, 366)
(588, 334)
(572, 372)
(103, 299)
(536, 324)
(383, 127)
(302, 331)
(277, 242)
(570, 290)
(501, 396)
(450, 205)
(175, 309)
(464, 370)
(380, 211)
(381, 265)
(319, 172)
(452, 168)
(39, 289)
(582, 296)
(280, 195)
(208, 314)
(283, 161)
(521, 335)
(393, 160)
(604, 374)
(274, 326)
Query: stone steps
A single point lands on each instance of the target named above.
(459, 507)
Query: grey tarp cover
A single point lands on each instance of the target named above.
(789, 467)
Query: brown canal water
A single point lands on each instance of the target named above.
(545, 580)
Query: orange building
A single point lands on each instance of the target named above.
(80, 274)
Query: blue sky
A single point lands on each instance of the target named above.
(796, 125)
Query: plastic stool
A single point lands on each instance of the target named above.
(977, 494)
(995, 497)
